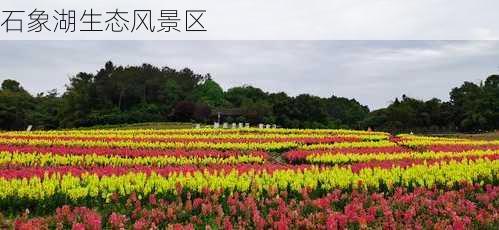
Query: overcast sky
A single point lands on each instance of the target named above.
(373, 72)
(290, 19)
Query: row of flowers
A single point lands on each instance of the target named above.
(300, 155)
(127, 152)
(473, 206)
(426, 141)
(363, 144)
(212, 135)
(304, 140)
(326, 157)
(270, 146)
(423, 143)
(429, 138)
(19, 171)
(47, 159)
(77, 184)
(460, 148)
(208, 131)
(273, 145)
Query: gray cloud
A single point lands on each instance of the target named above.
(373, 72)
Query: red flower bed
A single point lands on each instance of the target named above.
(469, 207)
(125, 152)
(305, 140)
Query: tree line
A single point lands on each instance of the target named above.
(146, 93)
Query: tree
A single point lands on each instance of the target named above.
(491, 91)
(411, 115)
(472, 107)
(117, 94)
(46, 110)
(202, 112)
(210, 93)
(78, 101)
(184, 111)
(16, 105)
(237, 95)
(12, 86)
(348, 112)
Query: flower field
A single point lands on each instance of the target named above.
(246, 178)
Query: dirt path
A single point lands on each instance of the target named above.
(276, 158)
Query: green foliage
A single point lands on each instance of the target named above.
(12, 86)
(15, 106)
(129, 94)
(239, 96)
(134, 94)
(210, 93)
(46, 110)
(472, 108)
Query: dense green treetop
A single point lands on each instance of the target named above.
(130, 94)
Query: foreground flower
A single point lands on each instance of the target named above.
(80, 184)
(469, 207)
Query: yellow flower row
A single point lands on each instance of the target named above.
(349, 145)
(428, 138)
(153, 145)
(423, 142)
(92, 186)
(335, 158)
(38, 159)
(212, 131)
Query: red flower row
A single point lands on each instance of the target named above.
(126, 152)
(305, 140)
